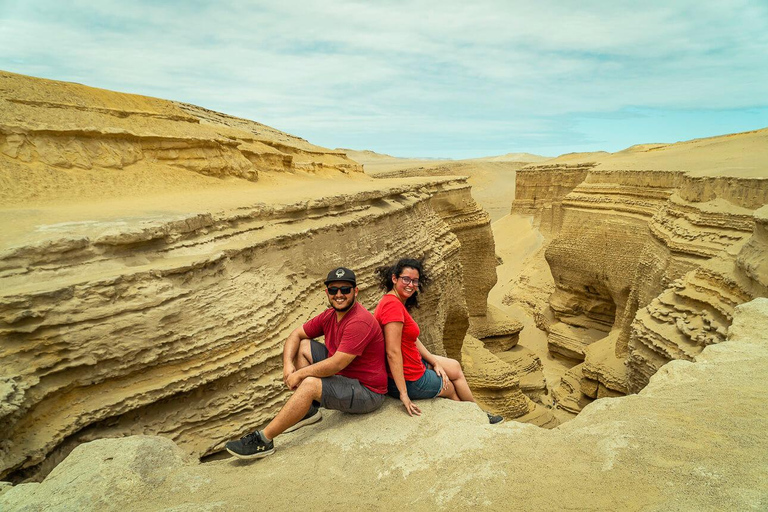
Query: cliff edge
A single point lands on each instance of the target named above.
(682, 443)
(154, 257)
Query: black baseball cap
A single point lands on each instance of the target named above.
(341, 274)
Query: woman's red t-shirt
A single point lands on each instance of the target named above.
(390, 309)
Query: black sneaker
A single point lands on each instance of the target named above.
(494, 419)
(251, 446)
(313, 416)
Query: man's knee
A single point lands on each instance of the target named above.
(305, 350)
(312, 386)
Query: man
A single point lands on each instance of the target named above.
(347, 373)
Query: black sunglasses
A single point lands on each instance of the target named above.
(343, 289)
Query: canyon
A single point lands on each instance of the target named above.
(650, 251)
(156, 254)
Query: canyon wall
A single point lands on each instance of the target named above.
(156, 255)
(648, 264)
(662, 449)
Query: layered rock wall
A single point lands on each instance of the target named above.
(662, 449)
(177, 328)
(540, 189)
(49, 128)
(165, 314)
(648, 266)
(472, 227)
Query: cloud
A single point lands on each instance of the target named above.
(449, 69)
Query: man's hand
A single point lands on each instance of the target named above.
(293, 380)
(287, 372)
(409, 406)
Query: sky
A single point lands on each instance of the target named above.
(447, 79)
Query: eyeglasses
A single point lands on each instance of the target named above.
(346, 290)
(407, 280)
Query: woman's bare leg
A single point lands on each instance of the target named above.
(456, 375)
(449, 392)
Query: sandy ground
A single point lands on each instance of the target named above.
(519, 245)
(492, 179)
(739, 154)
(159, 195)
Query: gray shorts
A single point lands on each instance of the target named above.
(342, 393)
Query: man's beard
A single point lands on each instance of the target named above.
(345, 308)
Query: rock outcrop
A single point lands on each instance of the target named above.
(157, 255)
(666, 448)
(651, 249)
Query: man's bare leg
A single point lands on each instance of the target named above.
(296, 407)
(304, 356)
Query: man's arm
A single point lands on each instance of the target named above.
(291, 350)
(324, 368)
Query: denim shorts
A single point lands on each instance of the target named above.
(428, 385)
(342, 393)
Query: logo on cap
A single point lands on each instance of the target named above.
(340, 272)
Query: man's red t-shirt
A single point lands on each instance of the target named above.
(359, 334)
(390, 309)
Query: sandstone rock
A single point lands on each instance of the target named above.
(540, 188)
(571, 341)
(532, 289)
(658, 450)
(147, 282)
(528, 367)
(69, 126)
(569, 394)
(109, 472)
(656, 255)
(496, 330)
(496, 385)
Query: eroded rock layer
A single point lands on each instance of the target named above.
(126, 313)
(66, 134)
(648, 262)
(662, 449)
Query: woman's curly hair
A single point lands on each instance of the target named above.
(385, 278)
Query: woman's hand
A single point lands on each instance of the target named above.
(441, 373)
(409, 406)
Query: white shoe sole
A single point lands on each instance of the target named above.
(258, 455)
(306, 421)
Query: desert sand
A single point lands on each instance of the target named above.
(492, 178)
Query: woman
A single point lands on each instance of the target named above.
(414, 372)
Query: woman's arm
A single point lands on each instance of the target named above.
(393, 339)
(433, 362)
(425, 354)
